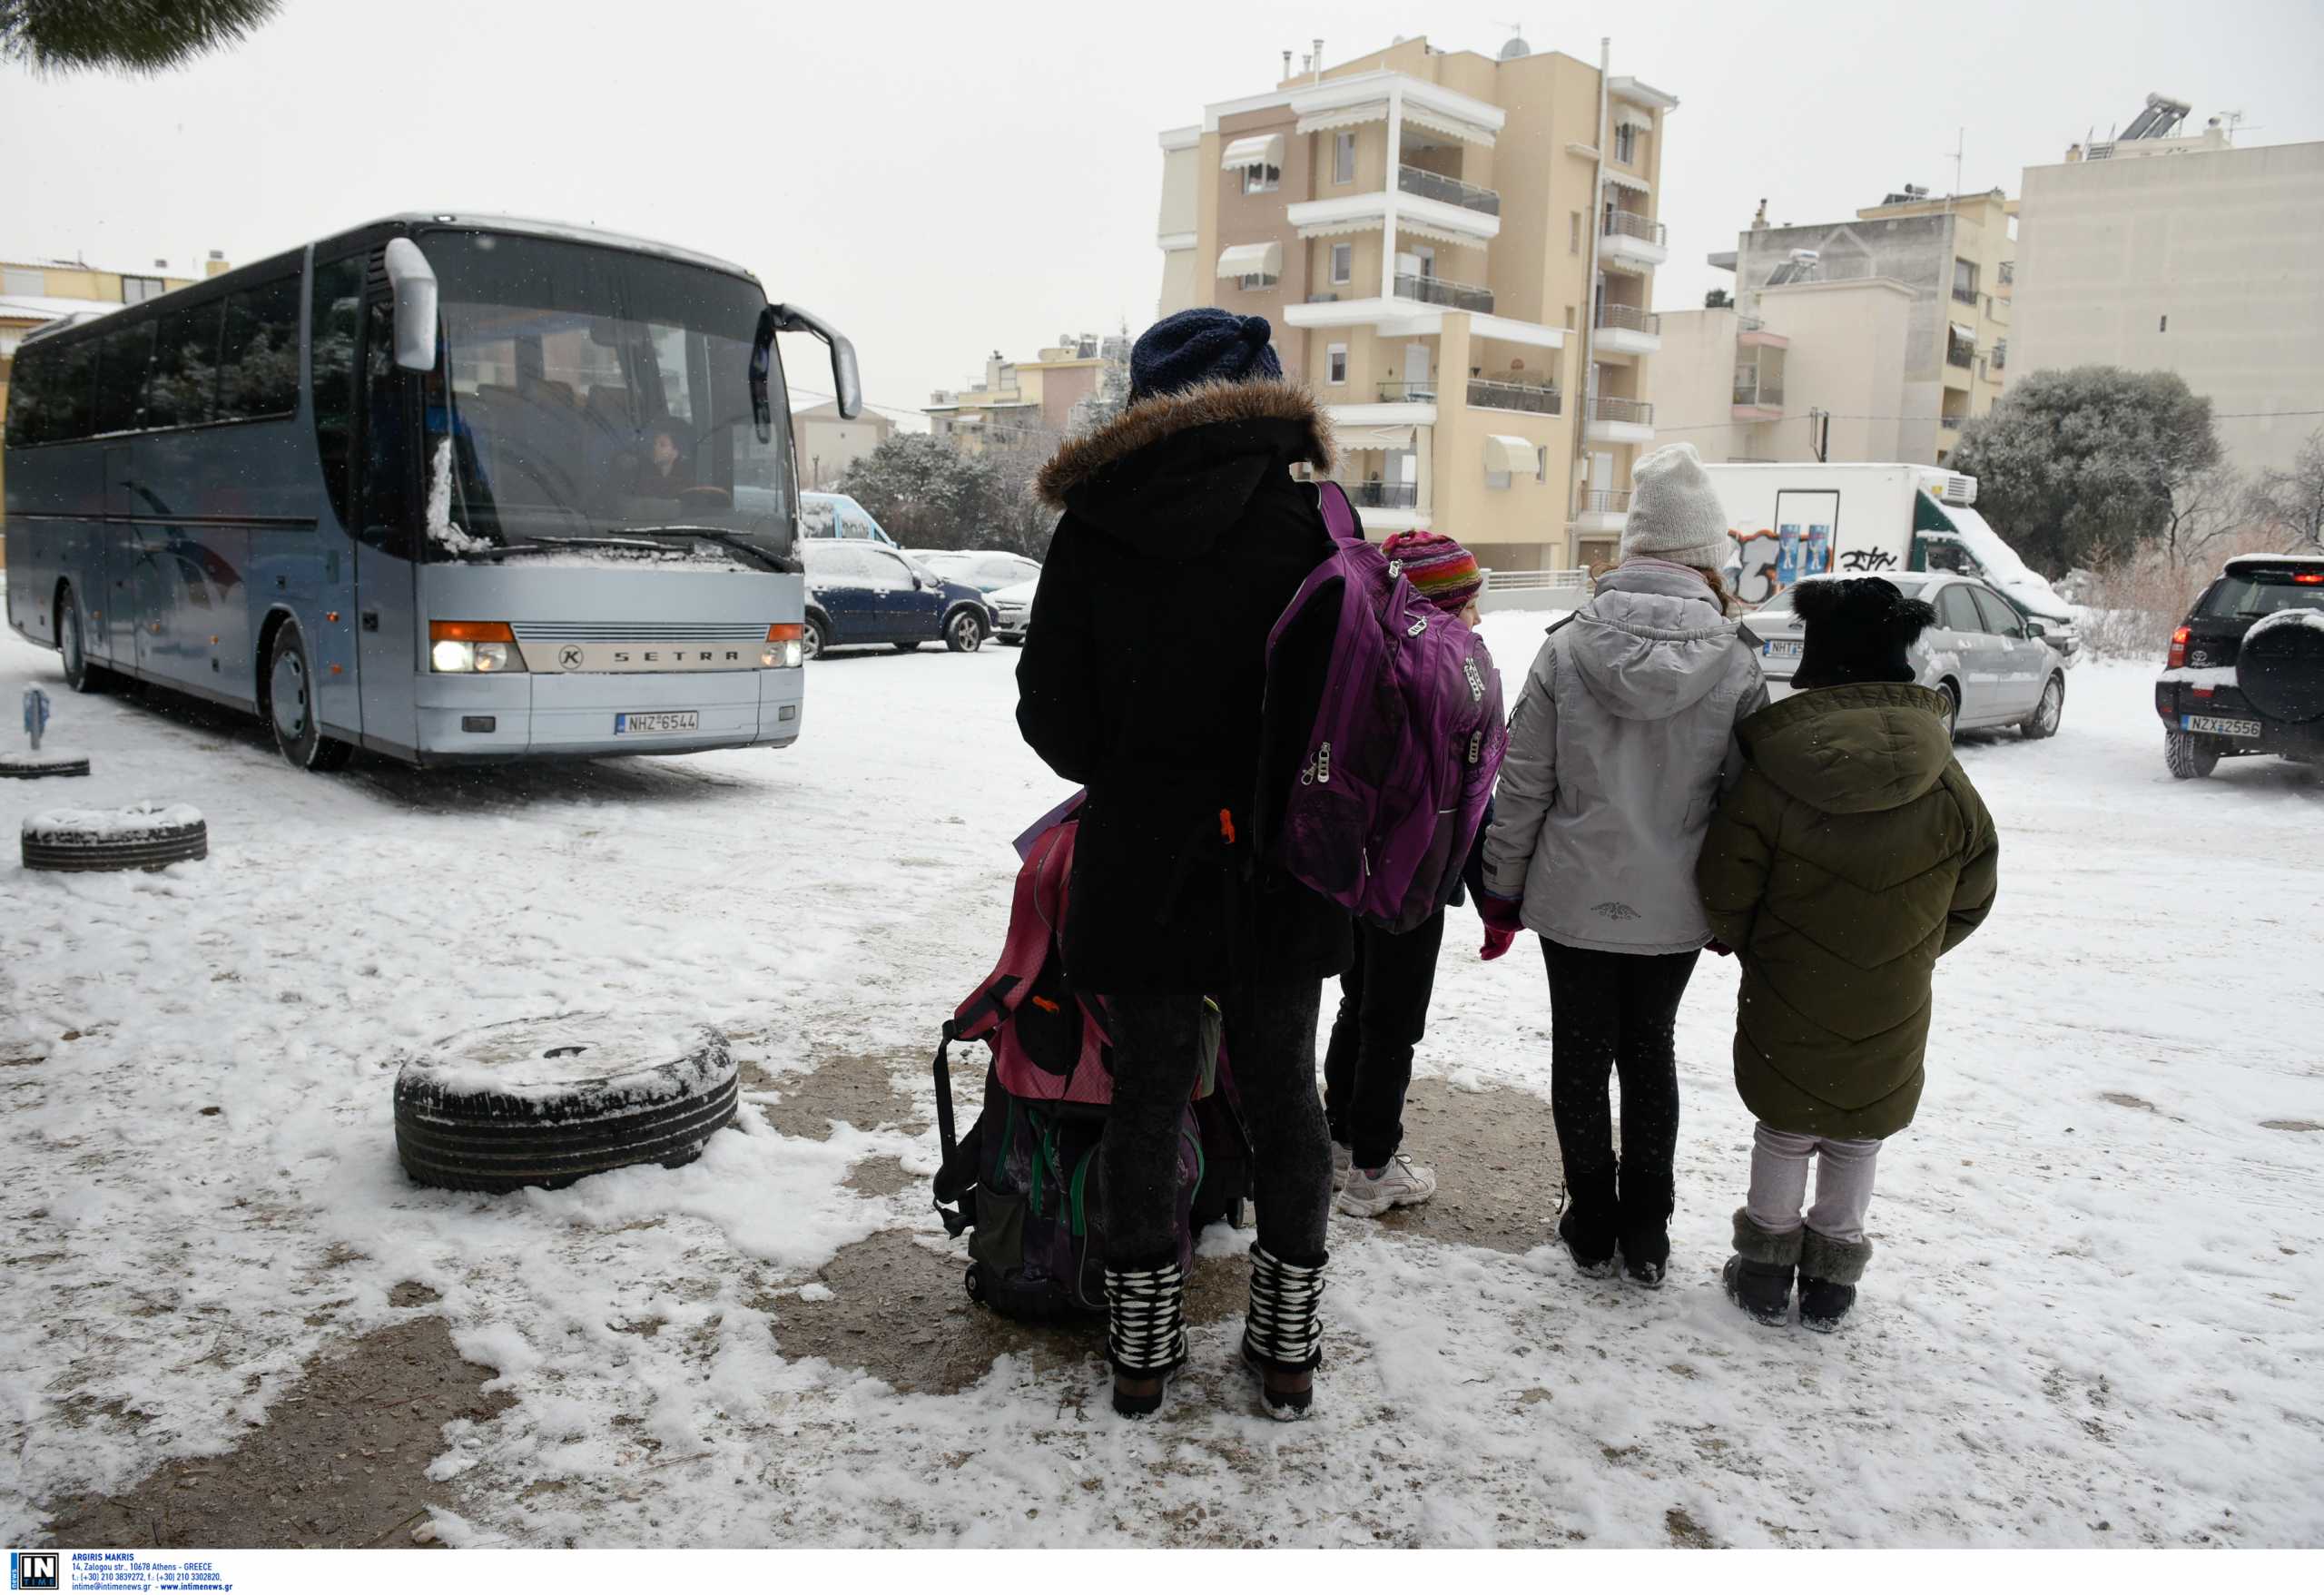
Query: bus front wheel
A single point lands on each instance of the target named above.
(290, 705)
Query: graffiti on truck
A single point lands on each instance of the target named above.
(1768, 559)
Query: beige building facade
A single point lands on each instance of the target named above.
(1457, 253)
(34, 292)
(1031, 402)
(825, 442)
(1877, 338)
(2186, 255)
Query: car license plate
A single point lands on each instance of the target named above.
(1781, 650)
(2219, 727)
(660, 720)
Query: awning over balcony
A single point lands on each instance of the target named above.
(1450, 125)
(1964, 333)
(1251, 260)
(1408, 228)
(1624, 180)
(1631, 116)
(1342, 229)
(1260, 150)
(1367, 438)
(1516, 456)
(1342, 116)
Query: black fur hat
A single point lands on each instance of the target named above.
(1857, 630)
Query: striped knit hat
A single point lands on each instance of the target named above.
(1444, 573)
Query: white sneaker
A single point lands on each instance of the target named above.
(1343, 1159)
(1402, 1183)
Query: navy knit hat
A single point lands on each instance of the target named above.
(1201, 346)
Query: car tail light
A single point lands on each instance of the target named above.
(2178, 658)
(2308, 578)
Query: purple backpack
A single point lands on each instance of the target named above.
(1407, 736)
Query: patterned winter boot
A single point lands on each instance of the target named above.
(1758, 1276)
(1146, 1334)
(1282, 1338)
(1829, 1272)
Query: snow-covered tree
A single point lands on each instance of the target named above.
(2080, 467)
(2294, 499)
(124, 35)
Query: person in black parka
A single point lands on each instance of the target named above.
(1183, 537)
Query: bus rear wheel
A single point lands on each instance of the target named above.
(290, 705)
(72, 643)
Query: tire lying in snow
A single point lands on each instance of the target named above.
(548, 1101)
(22, 765)
(143, 836)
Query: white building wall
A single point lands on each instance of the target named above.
(2209, 263)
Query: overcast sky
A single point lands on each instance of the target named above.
(944, 181)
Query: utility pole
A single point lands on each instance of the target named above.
(1960, 151)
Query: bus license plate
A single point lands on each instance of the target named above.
(662, 719)
(2219, 727)
(1782, 650)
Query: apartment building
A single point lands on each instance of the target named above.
(1029, 402)
(2184, 254)
(1875, 339)
(1457, 252)
(34, 292)
(825, 442)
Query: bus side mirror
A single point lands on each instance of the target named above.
(847, 383)
(412, 282)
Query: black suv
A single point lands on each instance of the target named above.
(2246, 672)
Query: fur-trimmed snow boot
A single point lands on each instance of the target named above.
(1829, 1272)
(1758, 1278)
(1283, 1336)
(1146, 1334)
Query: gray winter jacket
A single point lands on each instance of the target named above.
(1620, 744)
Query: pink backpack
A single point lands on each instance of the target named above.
(1407, 737)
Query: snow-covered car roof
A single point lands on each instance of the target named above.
(2240, 560)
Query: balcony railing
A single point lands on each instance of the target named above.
(1537, 581)
(1409, 390)
(1629, 319)
(2008, 273)
(1967, 296)
(1951, 423)
(1384, 494)
(1606, 501)
(1436, 290)
(1451, 191)
(1637, 411)
(1489, 393)
(1324, 298)
(1957, 353)
(1622, 223)
(1768, 394)
(1750, 324)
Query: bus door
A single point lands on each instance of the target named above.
(330, 600)
(387, 513)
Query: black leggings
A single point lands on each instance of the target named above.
(1383, 1012)
(1616, 1013)
(1271, 1048)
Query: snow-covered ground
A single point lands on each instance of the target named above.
(2097, 1315)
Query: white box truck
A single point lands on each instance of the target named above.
(1790, 521)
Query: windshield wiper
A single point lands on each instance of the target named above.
(558, 545)
(737, 541)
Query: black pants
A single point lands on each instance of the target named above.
(1383, 1012)
(1271, 1048)
(1616, 1013)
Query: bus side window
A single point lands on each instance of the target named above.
(386, 517)
(338, 323)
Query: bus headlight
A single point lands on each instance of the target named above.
(472, 648)
(783, 650)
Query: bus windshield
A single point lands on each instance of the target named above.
(596, 400)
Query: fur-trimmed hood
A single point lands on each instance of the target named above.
(1217, 427)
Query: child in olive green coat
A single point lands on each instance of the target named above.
(1852, 854)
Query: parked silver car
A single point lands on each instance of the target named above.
(1993, 664)
(1012, 611)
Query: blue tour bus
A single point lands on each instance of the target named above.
(452, 489)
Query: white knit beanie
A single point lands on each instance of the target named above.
(1674, 513)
